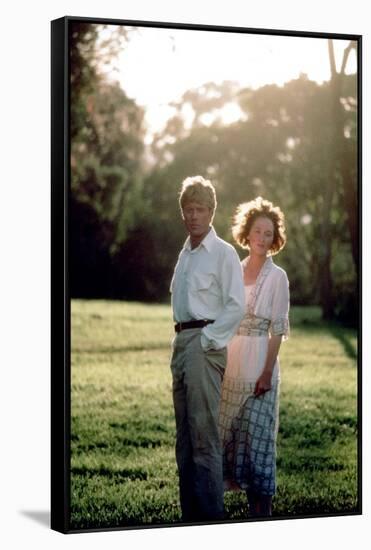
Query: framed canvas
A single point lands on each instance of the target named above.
(137, 107)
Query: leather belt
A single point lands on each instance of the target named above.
(192, 324)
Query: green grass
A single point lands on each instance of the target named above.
(123, 470)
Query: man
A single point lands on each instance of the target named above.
(208, 305)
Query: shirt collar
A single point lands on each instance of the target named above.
(266, 265)
(207, 242)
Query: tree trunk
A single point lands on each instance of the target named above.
(325, 246)
(341, 170)
(347, 158)
(349, 176)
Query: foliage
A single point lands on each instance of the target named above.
(294, 144)
(106, 156)
(282, 148)
(123, 470)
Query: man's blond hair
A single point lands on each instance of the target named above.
(197, 189)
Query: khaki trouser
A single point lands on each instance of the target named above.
(197, 378)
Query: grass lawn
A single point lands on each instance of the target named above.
(123, 470)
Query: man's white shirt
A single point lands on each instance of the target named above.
(208, 284)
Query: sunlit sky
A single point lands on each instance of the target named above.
(158, 65)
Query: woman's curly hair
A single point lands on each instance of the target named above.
(248, 212)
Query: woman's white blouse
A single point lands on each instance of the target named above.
(267, 312)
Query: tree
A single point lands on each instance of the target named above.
(345, 131)
(106, 156)
(282, 148)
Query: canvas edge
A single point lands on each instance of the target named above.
(60, 303)
(60, 362)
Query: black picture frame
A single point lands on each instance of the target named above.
(60, 287)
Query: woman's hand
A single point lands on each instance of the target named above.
(263, 384)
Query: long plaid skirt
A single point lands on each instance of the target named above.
(248, 428)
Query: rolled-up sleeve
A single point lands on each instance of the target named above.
(218, 334)
(280, 324)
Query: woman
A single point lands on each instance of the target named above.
(248, 419)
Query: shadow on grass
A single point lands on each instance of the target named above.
(344, 338)
(124, 474)
(316, 325)
(123, 446)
